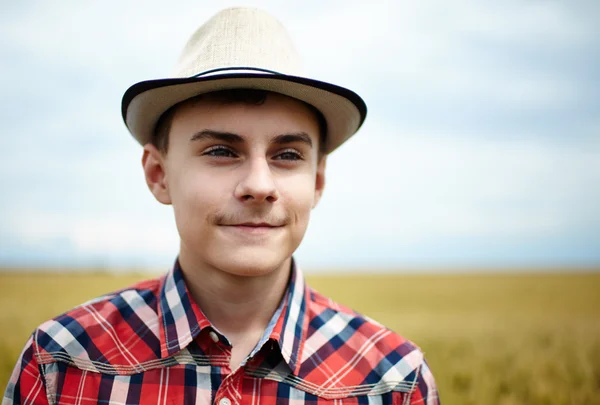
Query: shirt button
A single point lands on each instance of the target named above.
(225, 401)
(215, 339)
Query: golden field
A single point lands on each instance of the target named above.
(489, 338)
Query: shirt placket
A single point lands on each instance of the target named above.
(229, 391)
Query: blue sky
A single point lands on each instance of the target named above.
(481, 148)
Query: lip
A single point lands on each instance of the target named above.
(257, 225)
(253, 228)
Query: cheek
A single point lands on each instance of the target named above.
(195, 196)
(299, 196)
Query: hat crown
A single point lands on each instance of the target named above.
(239, 38)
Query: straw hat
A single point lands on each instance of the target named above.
(241, 48)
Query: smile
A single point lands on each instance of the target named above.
(253, 229)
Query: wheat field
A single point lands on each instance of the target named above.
(489, 338)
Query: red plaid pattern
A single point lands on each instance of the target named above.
(151, 344)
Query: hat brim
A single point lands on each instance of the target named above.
(144, 102)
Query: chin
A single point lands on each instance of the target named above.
(251, 262)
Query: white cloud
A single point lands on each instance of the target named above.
(386, 183)
(104, 234)
(458, 51)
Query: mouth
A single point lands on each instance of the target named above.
(253, 228)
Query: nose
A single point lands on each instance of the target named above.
(257, 183)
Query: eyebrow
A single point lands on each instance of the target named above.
(291, 138)
(283, 139)
(207, 134)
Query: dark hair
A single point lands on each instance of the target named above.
(160, 138)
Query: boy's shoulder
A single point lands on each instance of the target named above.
(105, 333)
(328, 316)
(347, 349)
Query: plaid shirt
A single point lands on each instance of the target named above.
(151, 344)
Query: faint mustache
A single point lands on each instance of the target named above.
(237, 219)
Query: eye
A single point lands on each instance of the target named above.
(289, 154)
(219, 151)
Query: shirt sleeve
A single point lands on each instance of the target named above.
(426, 392)
(26, 385)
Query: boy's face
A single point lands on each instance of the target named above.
(242, 180)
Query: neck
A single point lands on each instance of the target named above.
(238, 306)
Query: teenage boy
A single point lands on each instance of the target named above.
(237, 143)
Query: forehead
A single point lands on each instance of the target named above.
(269, 114)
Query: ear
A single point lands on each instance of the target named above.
(153, 162)
(320, 180)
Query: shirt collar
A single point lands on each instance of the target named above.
(181, 320)
(292, 325)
